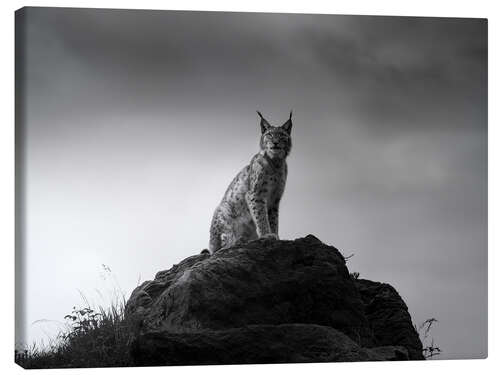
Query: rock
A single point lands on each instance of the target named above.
(389, 317)
(268, 301)
(285, 343)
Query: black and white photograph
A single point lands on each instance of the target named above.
(222, 188)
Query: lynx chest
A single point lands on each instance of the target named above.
(269, 179)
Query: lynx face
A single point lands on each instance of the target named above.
(276, 140)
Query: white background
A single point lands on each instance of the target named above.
(482, 9)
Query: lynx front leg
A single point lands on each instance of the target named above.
(258, 209)
(273, 217)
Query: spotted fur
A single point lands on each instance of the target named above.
(250, 206)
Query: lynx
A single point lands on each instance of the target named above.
(250, 206)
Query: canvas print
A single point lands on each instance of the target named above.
(199, 188)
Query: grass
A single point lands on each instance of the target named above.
(95, 338)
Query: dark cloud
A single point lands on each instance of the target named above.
(159, 43)
(409, 73)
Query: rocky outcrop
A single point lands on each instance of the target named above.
(388, 317)
(267, 302)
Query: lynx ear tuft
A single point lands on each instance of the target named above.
(264, 125)
(288, 124)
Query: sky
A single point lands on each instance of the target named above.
(134, 122)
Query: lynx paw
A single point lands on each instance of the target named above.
(272, 236)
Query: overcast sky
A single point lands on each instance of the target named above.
(136, 122)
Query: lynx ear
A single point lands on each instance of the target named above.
(288, 124)
(264, 125)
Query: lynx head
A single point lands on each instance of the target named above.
(276, 141)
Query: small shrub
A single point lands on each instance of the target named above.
(430, 349)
